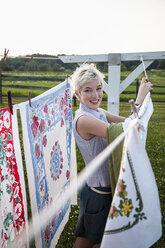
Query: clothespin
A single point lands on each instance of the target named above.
(67, 76)
(133, 107)
(29, 97)
(134, 110)
(10, 102)
(5, 54)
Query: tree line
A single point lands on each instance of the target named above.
(25, 64)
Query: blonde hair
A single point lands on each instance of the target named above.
(83, 74)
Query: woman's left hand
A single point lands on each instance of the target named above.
(144, 88)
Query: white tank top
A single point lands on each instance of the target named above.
(91, 148)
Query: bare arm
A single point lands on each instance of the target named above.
(144, 88)
(89, 126)
(113, 118)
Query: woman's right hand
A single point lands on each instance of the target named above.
(144, 88)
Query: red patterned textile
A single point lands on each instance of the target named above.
(12, 212)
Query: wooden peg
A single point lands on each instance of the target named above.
(67, 77)
(10, 102)
(140, 126)
(29, 97)
(131, 102)
(5, 54)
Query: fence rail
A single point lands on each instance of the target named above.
(17, 98)
(43, 78)
(21, 97)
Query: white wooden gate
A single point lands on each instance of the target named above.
(115, 87)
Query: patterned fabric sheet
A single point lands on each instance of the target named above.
(47, 132)
(135, 216)
(13, 210)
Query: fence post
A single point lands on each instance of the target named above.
(0, 87)
(137, 86)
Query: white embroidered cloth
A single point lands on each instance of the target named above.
(13, 206)
(47, 136)
(135, 217)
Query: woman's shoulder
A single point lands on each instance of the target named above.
(103, 111)
(90, 126)
(81, 112)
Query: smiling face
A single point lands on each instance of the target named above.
(91, 94)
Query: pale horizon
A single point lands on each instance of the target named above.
(79, 27)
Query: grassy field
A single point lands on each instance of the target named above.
(157, 77)
(155, 144)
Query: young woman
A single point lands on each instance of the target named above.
(89, 129)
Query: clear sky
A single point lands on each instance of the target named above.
(81, 26)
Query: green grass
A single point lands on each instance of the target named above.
(155, 144)
(32, 83)
(156, 77)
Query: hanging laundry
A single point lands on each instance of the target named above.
(13, 206)
(135, 217)
(47, 138)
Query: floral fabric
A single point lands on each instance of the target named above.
(135, 218)
(47, 131)
(12, 192)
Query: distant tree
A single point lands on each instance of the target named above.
(105, 67)
(23, 64)
(43, 67)
(6, 66)
(17, 62)
(102, 66)
(56, 67)
(131, 65)
(123, 67)
(21, 68)
(31, 66)
(154, 65)
(161, 64)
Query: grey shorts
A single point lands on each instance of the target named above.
(93, 213)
